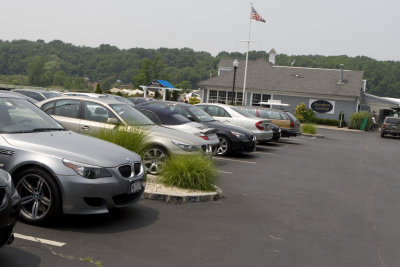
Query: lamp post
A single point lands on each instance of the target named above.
(235, 66)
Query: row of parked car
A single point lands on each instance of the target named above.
(56, 167)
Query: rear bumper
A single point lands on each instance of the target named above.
(290, 132)
(263, 135)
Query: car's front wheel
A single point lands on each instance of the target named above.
(40, 196)
(154, 158)
(224, 146)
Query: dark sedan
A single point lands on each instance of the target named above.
(10, 203)
(231, 138)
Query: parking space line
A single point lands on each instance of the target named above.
(265, 153)
(225, 172)
(39, 240)
(235, 160)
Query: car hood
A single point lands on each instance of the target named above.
(192, 127)
(73, 146)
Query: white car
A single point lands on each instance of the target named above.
(238, 117)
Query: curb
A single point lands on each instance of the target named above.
(313, 135)
(180, 198)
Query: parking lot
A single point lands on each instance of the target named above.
(304, 201)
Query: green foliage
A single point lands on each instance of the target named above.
(357, 118)
(328, 122)
(175, 65)
(157, 94)
(309, 128)
(299, 111)
(193, 172)
(98, 89)
(194, 100)
(131, 138)
(309, 116)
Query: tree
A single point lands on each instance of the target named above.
(36, 71)
(98, 89)
(299, 111)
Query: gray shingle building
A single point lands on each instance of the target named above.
(327, 91)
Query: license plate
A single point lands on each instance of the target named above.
(135, 186)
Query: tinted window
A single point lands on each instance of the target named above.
(65, 108)
(180, 110)
(131, 115)
(251, 111)
(151, 115)
(50, 94)
(33, 95)
(393, 120)
(270, 114)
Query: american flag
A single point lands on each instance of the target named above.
(256, 16)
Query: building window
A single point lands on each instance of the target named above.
(222, 97)
(212, 98)
(257, 98)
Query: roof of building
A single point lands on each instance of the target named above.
(263, 75)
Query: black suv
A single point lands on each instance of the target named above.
(391, 126)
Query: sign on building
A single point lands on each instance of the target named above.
(322, 106)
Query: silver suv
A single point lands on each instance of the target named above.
(391, 126)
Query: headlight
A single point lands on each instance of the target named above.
(87, 171)
(239, 135)
(185, 147)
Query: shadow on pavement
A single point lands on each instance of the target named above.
(118, 220)
(14, 256)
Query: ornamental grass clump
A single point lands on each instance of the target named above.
(195, 172)
(309, 129)
(131, 138)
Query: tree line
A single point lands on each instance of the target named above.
(64, 65)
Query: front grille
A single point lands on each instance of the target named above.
(125, 199)
(125, 170)
(137, 166)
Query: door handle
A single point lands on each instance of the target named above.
(85, 128)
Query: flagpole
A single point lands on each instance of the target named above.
(245, 67)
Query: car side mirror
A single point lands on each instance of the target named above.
(113, 121)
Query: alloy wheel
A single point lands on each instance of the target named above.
(154, 159)
(35, 196)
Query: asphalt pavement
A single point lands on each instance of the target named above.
(304, 201)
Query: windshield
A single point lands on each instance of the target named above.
(200, 114)
(130, 115)
(243, 112)
(21, 116)
(122, 99)
(51, 94)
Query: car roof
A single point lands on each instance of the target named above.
(30, 90)
(9, 94)
(104, 100)
(166, 102)
(275, 109)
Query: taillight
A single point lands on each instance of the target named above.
(205, 137)
(383, 126)
(291, 124)
(259, 125)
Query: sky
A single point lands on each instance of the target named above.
(293, 27)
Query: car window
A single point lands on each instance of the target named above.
(33, 95)
(217, 111)
(159, 105)
(64, 108)
(291, 116)
(131, 115)
(96, 112)
(270, 114)
(200, 114)
(243, 112)
(284, 116)
(393, 120)
(252, 111)
(180, 110)
(51, 94)
(151, 115)
(21, 116)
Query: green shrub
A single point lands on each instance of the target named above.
(194, 172)
(299, 111)
(309, 128)
(357, 118)
(309, 116)
(131, 138)
(328, 122)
